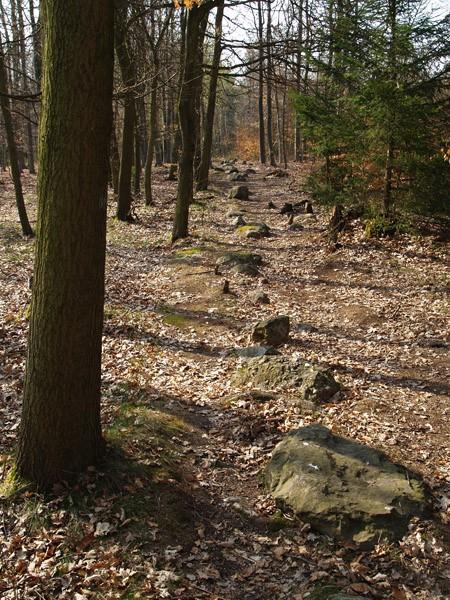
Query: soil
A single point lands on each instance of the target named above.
(178, 509)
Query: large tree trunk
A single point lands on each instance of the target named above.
(203, 170)
(12, 147)
(129, 118)
(60, 431)
(187, 118)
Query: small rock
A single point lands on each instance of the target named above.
(256, 351)
(273, 331)
(239, 192)
(231, 170)
(276, 173)
(231, 259)
(295, 226)
(234, 213)
(313, 383)
(238, 177)
(260, 297)
(246, 270)
(239, 221)
(287, 208)
(254, 230)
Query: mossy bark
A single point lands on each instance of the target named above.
(60, 431)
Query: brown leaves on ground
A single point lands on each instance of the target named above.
(177, 510)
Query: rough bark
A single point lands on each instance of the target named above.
(262, 135)
(203, 170)
(187, 118)
(60, 430)
(269, 88)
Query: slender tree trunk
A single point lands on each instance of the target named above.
(129, 118)
(298, 144)
(203, 170)
(269, 87)
(198, 100)
(37, 57)
(187, 119)
(115, 159)
(177, 137)
(137, 160)
(60, 431)
(152, 132)
(12, 148)
(389, 168)
(262, 135)
(26, 87)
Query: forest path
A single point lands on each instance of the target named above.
(179, 510)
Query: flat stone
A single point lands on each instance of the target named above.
(256, 351)
(313, 384)
(246, 270)
(344, 489)
(273, 331)
(231, 259)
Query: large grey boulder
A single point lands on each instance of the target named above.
(342, 488)
(273, 331)
(313, 384)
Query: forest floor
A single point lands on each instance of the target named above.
(178, 509)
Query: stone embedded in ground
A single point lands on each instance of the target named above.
(313, 384)
(250, 171)
(273, 331)
(255, 230)
(287, 208)
(256, 351)
(234, 213)
(246, 269)
(253, 396)
(329, 592)
(342, 488)
(239, 192)
(296, 227)
(233, 259)
(238, 177)
(231, 170)
(239, 221)
(260, 297)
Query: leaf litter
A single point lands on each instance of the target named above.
(178, 509)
